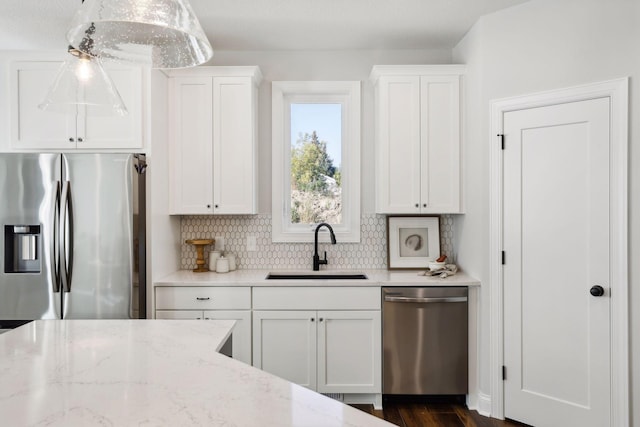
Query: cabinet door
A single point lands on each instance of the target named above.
(114, 131)
(190, 130)
(241, 344)
(398, 144)
(440, 142)
(284, 344)
(31, 127)
(234, 145)
(349, 352)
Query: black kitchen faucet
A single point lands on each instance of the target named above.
(316, 258)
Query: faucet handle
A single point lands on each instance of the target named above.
(323, 261)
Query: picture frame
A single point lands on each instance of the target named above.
(412, 241)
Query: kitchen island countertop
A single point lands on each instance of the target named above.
(148, 372)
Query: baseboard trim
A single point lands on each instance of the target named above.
(484, 404)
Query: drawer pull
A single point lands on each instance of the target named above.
(203, 298)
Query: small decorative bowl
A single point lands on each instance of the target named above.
(435, 265)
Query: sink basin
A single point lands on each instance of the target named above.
(324, 275)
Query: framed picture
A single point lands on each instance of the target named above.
(412, 241)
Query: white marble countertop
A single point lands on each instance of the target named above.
(258, 278)
(148, 372)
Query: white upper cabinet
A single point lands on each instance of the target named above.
(191, 135)
(35, 129)
(418, 138)
(213, 135)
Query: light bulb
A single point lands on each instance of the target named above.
(84, 72)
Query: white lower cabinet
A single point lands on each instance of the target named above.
(328, 339)
(330, 351)
(284, 344)
(210, 303)
(349, 346)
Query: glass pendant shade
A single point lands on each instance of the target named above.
(155, 33)
(83, 86)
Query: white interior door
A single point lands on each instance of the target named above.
(556, 238)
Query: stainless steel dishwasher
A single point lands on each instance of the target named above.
(425, 340)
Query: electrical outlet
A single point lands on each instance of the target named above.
(252, 244)
(219, 243)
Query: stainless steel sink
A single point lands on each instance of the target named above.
(324, 275)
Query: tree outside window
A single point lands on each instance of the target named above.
(316, 192)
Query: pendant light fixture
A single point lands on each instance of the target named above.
(83, 86)
(155, 33)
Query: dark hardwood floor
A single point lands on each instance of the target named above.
(433, 414)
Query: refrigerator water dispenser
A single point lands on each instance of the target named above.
(21, 248)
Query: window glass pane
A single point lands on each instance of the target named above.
(316, 157)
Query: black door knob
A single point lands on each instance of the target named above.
(597, 291)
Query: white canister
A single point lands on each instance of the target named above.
(213, 260)
(222, 266)
(232, 261)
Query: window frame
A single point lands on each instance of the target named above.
(284, 93)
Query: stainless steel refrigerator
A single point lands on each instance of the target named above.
(73, 236)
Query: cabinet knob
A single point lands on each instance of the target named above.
(424, 205)
(417, 205)
(313, 320)
(71, 140)
(198, 318)
(216, 206)
(80, 139)
(320, 319)
(208, 206)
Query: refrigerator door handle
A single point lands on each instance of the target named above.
(67, 236)
(55, 248)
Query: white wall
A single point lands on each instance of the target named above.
(533, 47)
(321, 65)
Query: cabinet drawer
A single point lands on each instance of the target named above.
(316, 298)
(202, 298)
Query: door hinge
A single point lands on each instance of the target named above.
(504, 372)
(504, 257)
(501, 136)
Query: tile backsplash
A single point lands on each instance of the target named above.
(370, 253)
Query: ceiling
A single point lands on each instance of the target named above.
(278, 24)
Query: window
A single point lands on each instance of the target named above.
(316, 159)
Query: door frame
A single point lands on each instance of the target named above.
(618, 91)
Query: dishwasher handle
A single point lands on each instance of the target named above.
(389, 298)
